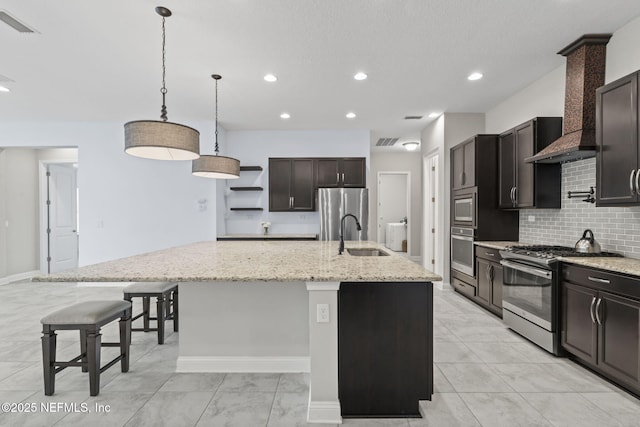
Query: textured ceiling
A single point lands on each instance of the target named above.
(101, 60)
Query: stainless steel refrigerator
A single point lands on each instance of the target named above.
(334, 203)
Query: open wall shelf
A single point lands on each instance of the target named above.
(250, 168)
(245, 188)
(246, 209)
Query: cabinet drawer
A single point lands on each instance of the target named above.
(464, 288)
(488, 253)
(602, 280)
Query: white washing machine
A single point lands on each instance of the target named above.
(396, 233)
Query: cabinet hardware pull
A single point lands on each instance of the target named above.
(637, 179)
(599, 280)
(491, 276)
(631, 182)
(515, 195)
(338, 177)
(593, 301)
(513, 202)
(343, 177)
(490, 254)
(597, 310)
(487, 275)
(463, 178)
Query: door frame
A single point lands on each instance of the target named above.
(42, 208)
(431, 213)
(409, 221)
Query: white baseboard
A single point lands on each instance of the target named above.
(243, 364)
(442, 286)
(18, 277)
(324, 412)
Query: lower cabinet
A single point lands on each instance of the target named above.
(489, 279)
(601, 322)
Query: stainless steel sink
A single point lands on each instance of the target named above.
(366, 252)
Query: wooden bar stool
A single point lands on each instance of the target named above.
(87, 317)
(166, 294)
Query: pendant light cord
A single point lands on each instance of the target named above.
(216, 129)
(163, 110)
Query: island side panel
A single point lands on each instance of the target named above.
(385, 347)
(243, 327)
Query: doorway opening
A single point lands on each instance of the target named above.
(432, 234)
(394, 210)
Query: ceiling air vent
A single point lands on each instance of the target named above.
(386, 142)
(14, 23)
(412, 117)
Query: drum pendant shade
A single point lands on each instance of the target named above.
(158, 140)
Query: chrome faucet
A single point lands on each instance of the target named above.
(341, 248)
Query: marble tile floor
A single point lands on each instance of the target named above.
(485, 375)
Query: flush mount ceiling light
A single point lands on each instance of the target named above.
(360, 76)
(434, 115)
(410, 146)
(4, 89)
(350, 115)
(161, 140)
(285, 116)
(215, 166)
(475, 76)
(270, 78)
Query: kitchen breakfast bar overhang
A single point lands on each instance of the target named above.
(362, 326)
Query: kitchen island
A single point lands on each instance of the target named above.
(273, 307)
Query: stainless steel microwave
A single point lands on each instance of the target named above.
(464, 208)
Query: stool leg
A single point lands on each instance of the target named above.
(145, 310)
(48, 359)
(175, 310)
(127, 297)
(94, 341)
(160, 317)
(168, 300)
(125, 341)
(83, 351)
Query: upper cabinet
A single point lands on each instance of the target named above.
(463, 165)
(291, 185)
(617, 162)
(341, 172)
(528, 185)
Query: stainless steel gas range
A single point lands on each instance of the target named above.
(531, 293)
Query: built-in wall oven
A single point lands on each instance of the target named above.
(463, 250)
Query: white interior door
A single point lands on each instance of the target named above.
(432, 259)
(63, 217)
(392, 200)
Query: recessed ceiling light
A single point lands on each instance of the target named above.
(285, 116)
(4, 89)
(411, 146)
(351, 115)
(270, 78)
(434, 115)
(360, 76)
(475, 76)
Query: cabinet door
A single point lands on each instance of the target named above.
(483, 284)
(457, 167)
(327, 173)
(579, 332)
(354, 173)
(496, 285)
(617, 140)
(469, 173)
(302, 189)
(279, 184)
(507, 155)
(618, 340)
(525, 135)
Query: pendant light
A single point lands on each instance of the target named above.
(161, 140)
(215, 166)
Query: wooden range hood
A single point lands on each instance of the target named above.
(586, 61)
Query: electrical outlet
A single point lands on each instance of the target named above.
(322, 313)
(531, 218)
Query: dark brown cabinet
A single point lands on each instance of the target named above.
(341, 172)
(489, 279)
(529, 185)
(463, 158)
(618, 164)
(291, 185)
(601, 322)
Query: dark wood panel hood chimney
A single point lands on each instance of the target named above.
(586, 62)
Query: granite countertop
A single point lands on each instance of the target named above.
(498, 245)
(282, 261)
(618, 265)
(257, 236)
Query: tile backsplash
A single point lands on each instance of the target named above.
(616, 229)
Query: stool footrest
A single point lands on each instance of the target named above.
(144, 330)
(138, 316)
(110, 364)
(110, 344)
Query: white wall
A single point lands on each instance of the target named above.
(253, 148)
(398, 162)
(445, 132)
(127, 205)
(623, 51)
